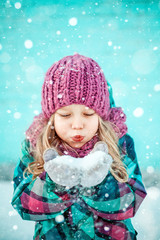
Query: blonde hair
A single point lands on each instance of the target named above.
(108, 135)
(48, 138)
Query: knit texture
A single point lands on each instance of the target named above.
(79, 152)
(35, 128)
(75, 80)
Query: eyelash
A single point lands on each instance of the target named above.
(88, 115)
(64, 115)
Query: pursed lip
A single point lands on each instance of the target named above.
(77, 138)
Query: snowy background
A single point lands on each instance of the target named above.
(124, 38)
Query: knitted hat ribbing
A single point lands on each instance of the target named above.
(75, 80)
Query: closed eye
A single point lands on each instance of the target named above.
(87, 114)
(68, 115)
(64, 115)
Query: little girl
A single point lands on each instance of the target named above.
(78, 175)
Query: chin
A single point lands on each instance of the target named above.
(77, 145)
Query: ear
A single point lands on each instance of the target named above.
(100, 146)
(49, 154)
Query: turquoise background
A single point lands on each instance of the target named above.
(122, 36)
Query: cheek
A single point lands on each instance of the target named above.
(60, 126)
(57, 124)
(93, 124)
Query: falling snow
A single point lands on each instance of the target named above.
(58, 32)
(106, 228)
(124, 41)
(73, 21)
(60, 96)
(138, 112)
(29, 20)
(110, 43)
(59, 218)
(17, 5)
(17, 115)
(157, 87)
(28, 44)
(106, 195)
(15, 227)
(150, 169)
(36, 112)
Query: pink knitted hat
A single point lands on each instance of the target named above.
(76, 79)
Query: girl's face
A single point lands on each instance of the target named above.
(76, 124)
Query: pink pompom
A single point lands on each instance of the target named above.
(117, 117)
(35, 128)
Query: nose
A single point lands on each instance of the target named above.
(77, 123)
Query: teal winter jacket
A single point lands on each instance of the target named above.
(100, 212)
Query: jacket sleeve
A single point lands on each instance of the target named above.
(113, 200)
(38, 199)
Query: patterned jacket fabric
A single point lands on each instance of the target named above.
(100, 212)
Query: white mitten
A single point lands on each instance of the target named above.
(96, 165)
(61, 169)
(69, 171)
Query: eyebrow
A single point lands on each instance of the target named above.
(67, 109)
(89, 109)
(61, 109)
